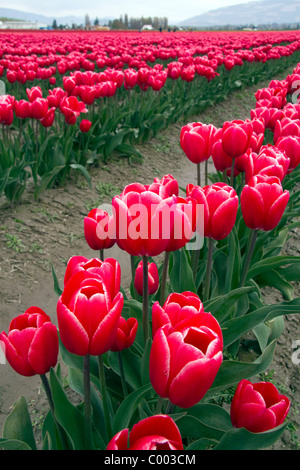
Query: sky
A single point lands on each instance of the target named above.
(174, 10)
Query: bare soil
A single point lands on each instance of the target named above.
(38, 234)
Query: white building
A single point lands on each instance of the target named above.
(22, 25)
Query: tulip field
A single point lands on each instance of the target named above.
(156, 364)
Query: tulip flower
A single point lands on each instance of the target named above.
(167, 186)
(269, 161)
(157, 432)
(88, 315)
(258, 407)
(183, 364)
(85, 125)
(220, 203)
(197, 140)
(99, 229)
(236, 137)
(263, 202)
(147, 224)
(31, 345)
(286, 127)
(34, 93)
(290, 145)
(109, 271)
(179, 310)
(153, 278)
(126, 333)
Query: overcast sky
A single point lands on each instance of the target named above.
(174, 10)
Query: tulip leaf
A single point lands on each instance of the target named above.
(235, 328)
(77, 166)
(222, 305)
(273, 262)
(274, 279)
(181, 275)
(201, 444)
(18, 426)
(128, 407)
(13, 444)
(131, 363)
(241, 439)
(232, 372)
(57, 288)
(68, 415)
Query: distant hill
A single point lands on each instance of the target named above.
(259, 12)
(65, 20)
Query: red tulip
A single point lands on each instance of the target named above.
(196, 140)
(263, 202)
(153, 278)
(144, 220)
(184, 363)
(157, 432)
(269, 161)
(222, 161)
(34, 93)
(85, 125)
(126, 333)
(290, 145)
(31, 345)
(88, 316)
(179, 310)
(258, 407)
(71, 108)
(167, 186)
(22, 109)
(38, 108)
(220, 203)
(286, 127)
(99, 229)
(48, 119)
(109, 271)
(236, 137)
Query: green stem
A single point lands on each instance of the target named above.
(164, 275)
(232, 173)
(145, 299)
(87, 402)
(195, 262)
(208, 269)
(132, 266)
(122, 373)
(198, 174)
(250, 249)
(206, 172)
(159, 405)
(104, 396)
(101, 254)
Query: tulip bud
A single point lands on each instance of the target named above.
(258, 407)
(31, 345)
(263, 202)
(153, 278)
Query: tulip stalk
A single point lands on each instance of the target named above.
(104, 396)
(208, 268)
(87, 401)
(145, 300)
(122, 374)
(250, 250)
(164, 275)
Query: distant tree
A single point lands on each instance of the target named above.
(96, 22)
(54, 24)
(87, 21)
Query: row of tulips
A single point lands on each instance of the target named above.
(96, 103)
(156, 366)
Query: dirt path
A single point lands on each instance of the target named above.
(35, 235)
